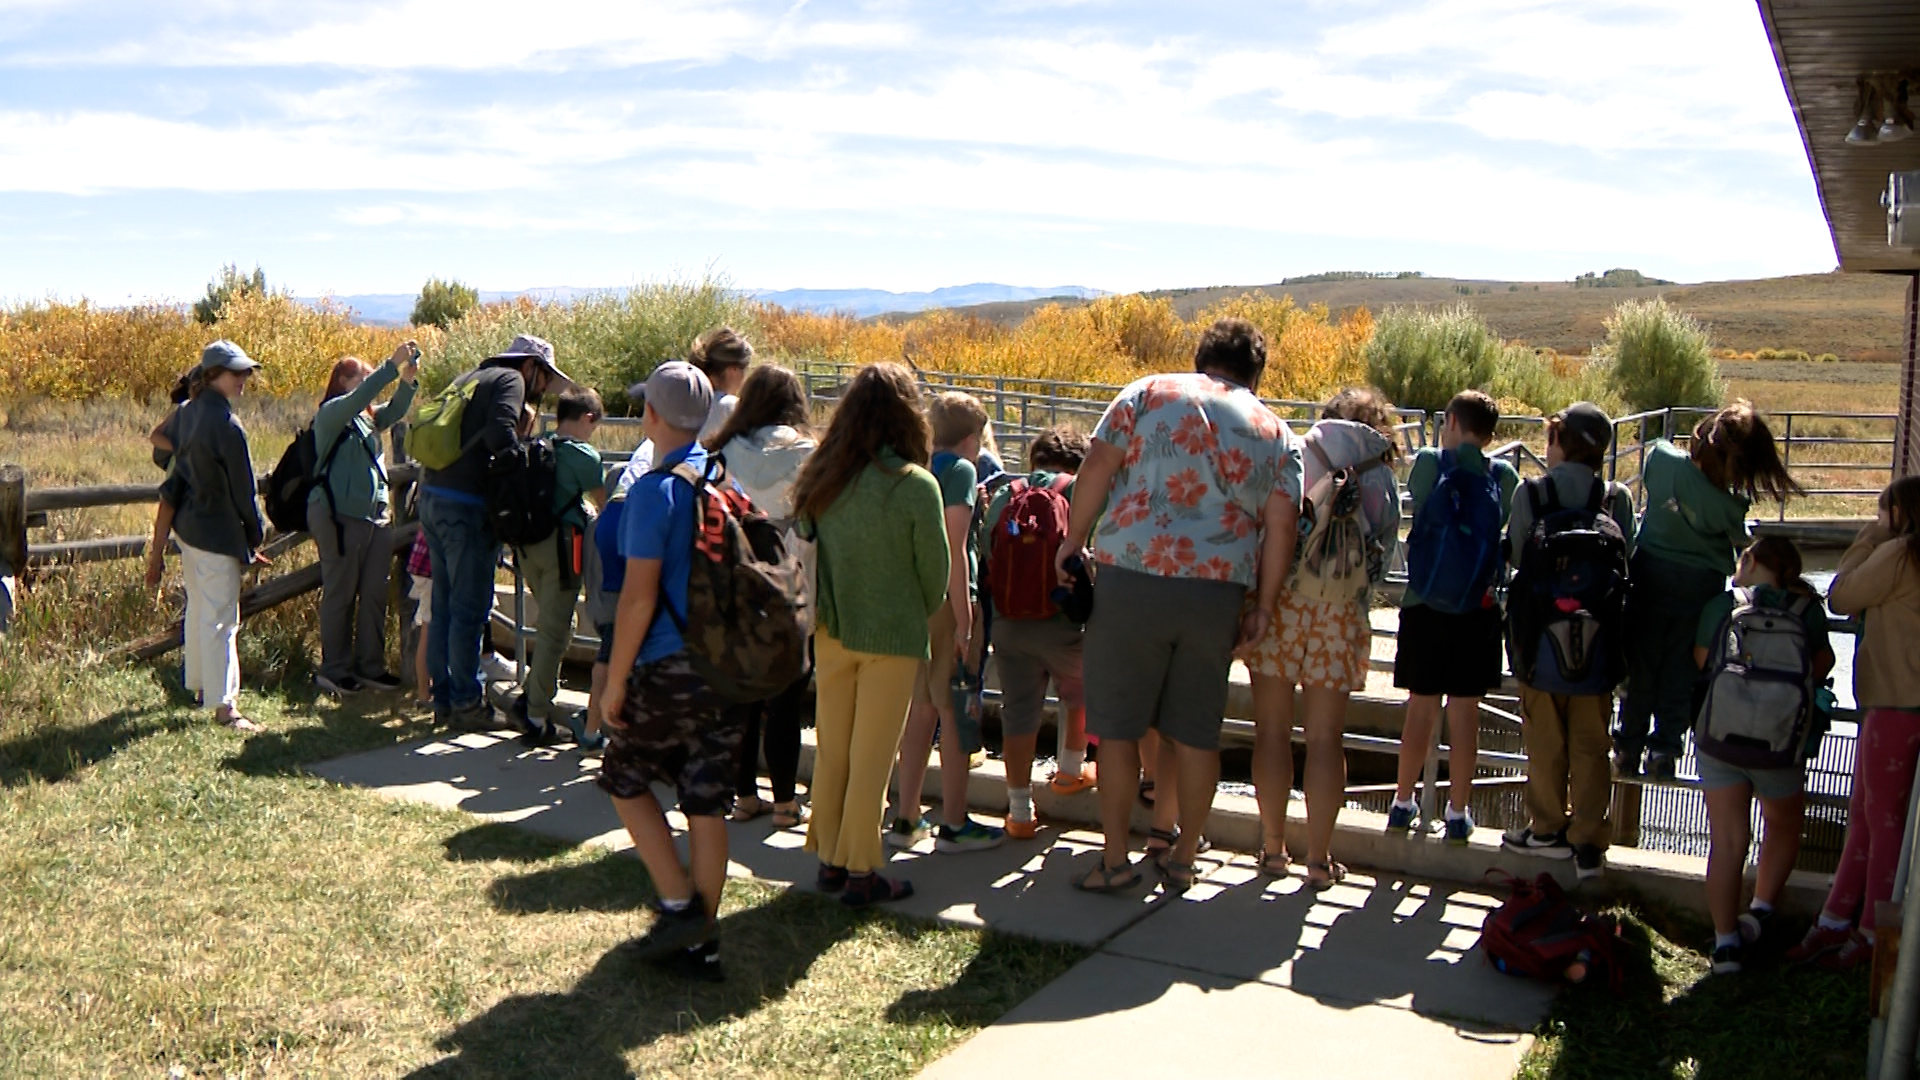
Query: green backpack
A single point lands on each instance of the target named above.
(434, 438)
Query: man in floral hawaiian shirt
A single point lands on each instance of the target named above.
(1201, 484)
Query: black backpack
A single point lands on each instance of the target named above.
(521, 483)
(1566, 608)
(294, 477)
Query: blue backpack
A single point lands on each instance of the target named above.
(1453, 550)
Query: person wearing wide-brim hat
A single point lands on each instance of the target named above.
(453, 511)
(217, 525)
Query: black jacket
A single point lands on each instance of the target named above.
(213, 477)
(486, 428)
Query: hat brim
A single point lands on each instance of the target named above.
(236, 364)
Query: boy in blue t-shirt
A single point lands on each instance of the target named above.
(664, 724)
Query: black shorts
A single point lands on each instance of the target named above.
(1453, 655)
(676, 732)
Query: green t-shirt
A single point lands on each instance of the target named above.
(1424, 476)
(960, 486)
(577, 470)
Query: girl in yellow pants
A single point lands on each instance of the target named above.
(869, 503)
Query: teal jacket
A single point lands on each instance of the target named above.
(359, 485)
(1687, 519)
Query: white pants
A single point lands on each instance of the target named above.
(212, 624)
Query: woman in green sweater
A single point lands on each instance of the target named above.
(868, 501)
(1693, 530)
(350, 518)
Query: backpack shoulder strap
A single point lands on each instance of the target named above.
(1597, 496)
(1320, 453)
(1801, 602)
(1538, 505)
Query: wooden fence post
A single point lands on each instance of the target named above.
(13, 537)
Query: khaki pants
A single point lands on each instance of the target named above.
(1567, 748)
(859, 713)
(540, 564)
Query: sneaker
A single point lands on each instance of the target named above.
(675, 931)
(1460, 830)
(1022, 830)
(1726, 960)
(584, 741)
(1539, 845)
(496, 668)
(386, 682)
(971, 836)
(344, 686)
(1660, 766)
(699, 964)
(903, 834)
(1818, 942)
(1400, 819)
(1626, 763)
(1753, 925)
(1856, 953)
(1589, 861)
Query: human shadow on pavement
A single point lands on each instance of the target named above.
(624, 1003)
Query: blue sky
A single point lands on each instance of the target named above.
(354, 147)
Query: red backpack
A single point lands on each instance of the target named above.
(1022, 546)
(1539, 934)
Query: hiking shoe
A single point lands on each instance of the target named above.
(971, 836)
(1626, 763)
(1753, 925)
(386, 682)
(1819, 942)
(1726, 960)
(1022, 830)
(1400, 819)
(1460, 830)
(698, 964)
(344, 686)
(903, 834)
(475, 717)
(1856, 953)
(1589, 861)
(1539, 845)
(1660, 766)
(675, 931)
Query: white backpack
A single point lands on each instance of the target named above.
(1760, 689)
(1338, 558)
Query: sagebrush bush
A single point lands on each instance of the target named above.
(1421, 357)
(1541, 382)
(1660, 357)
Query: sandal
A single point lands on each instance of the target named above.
(1273, 863)
(748, 807)
(871, 888)
(1074, 785)
(235, 721)
(788, 815)
(1112, 879)
(1146, 794)
(1330, 873)
(832, 879)
(1159, 843)
(1180, 876)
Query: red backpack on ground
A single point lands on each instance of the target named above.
(1539, 934)
(1022, 546)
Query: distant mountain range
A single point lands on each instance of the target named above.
(394, 309)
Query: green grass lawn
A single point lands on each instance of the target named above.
(180, 896)
(1670, 1018)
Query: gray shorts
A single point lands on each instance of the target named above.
(1767, 783)
(1026, 653)
(1158, 651)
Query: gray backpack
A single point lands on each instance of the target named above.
(1759, 706)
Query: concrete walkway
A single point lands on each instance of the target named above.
(1242, 976)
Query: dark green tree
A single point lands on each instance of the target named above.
(221, 290)
(442, 303)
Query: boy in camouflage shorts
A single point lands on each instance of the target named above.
(664, 724)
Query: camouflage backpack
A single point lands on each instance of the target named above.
(748, 614)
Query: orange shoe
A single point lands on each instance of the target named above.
(1074, 785)
(1022, 830)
